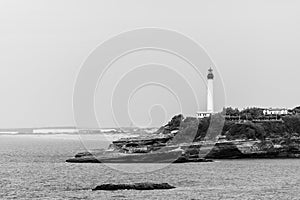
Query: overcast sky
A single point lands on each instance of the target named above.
(254, 44)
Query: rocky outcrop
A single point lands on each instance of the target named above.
(226, 150)
(143, 144)
(195, 152)
(253, 149)
(83, 154)
(83, 159)
(154, 157)
(184, 140)
(135, 186)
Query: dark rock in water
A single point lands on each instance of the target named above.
(157, 157)
(135, 186)
(185, 160)
(82, 154)
(83, 159)
(162, 157)
(91, 153)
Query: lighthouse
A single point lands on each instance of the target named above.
(210, 91)
(210, 96)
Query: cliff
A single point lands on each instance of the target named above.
(186, 140)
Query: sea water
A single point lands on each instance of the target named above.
(34, 167)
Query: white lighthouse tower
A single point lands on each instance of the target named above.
(210, 96)
(210, 91)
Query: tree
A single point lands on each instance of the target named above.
(292, 123)
(232, 112)
(296, 110)
(252, 113)
(247, 130)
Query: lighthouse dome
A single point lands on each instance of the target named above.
(210, 74)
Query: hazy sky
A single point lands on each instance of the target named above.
(255, 45)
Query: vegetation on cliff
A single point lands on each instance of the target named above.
(288, 127)
(192, 129)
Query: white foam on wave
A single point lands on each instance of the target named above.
(9, 132)
(54, 131)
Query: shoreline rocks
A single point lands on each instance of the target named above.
(193, 152)
(157, 157)
(177, 142)
(135, 186)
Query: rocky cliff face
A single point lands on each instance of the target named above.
(191, 152)
(176, 142)
(253, 149)
(226, 150)
(141, 144)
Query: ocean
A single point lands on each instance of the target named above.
(34, 167)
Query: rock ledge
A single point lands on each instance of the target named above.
(135, 186)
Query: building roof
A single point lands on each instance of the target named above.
(275, 109)
(204, 112)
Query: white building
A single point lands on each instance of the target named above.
(201, 114)
(210, 96)
(275, 111)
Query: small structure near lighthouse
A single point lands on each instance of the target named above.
(210, 96)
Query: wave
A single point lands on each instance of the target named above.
(125, 132)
